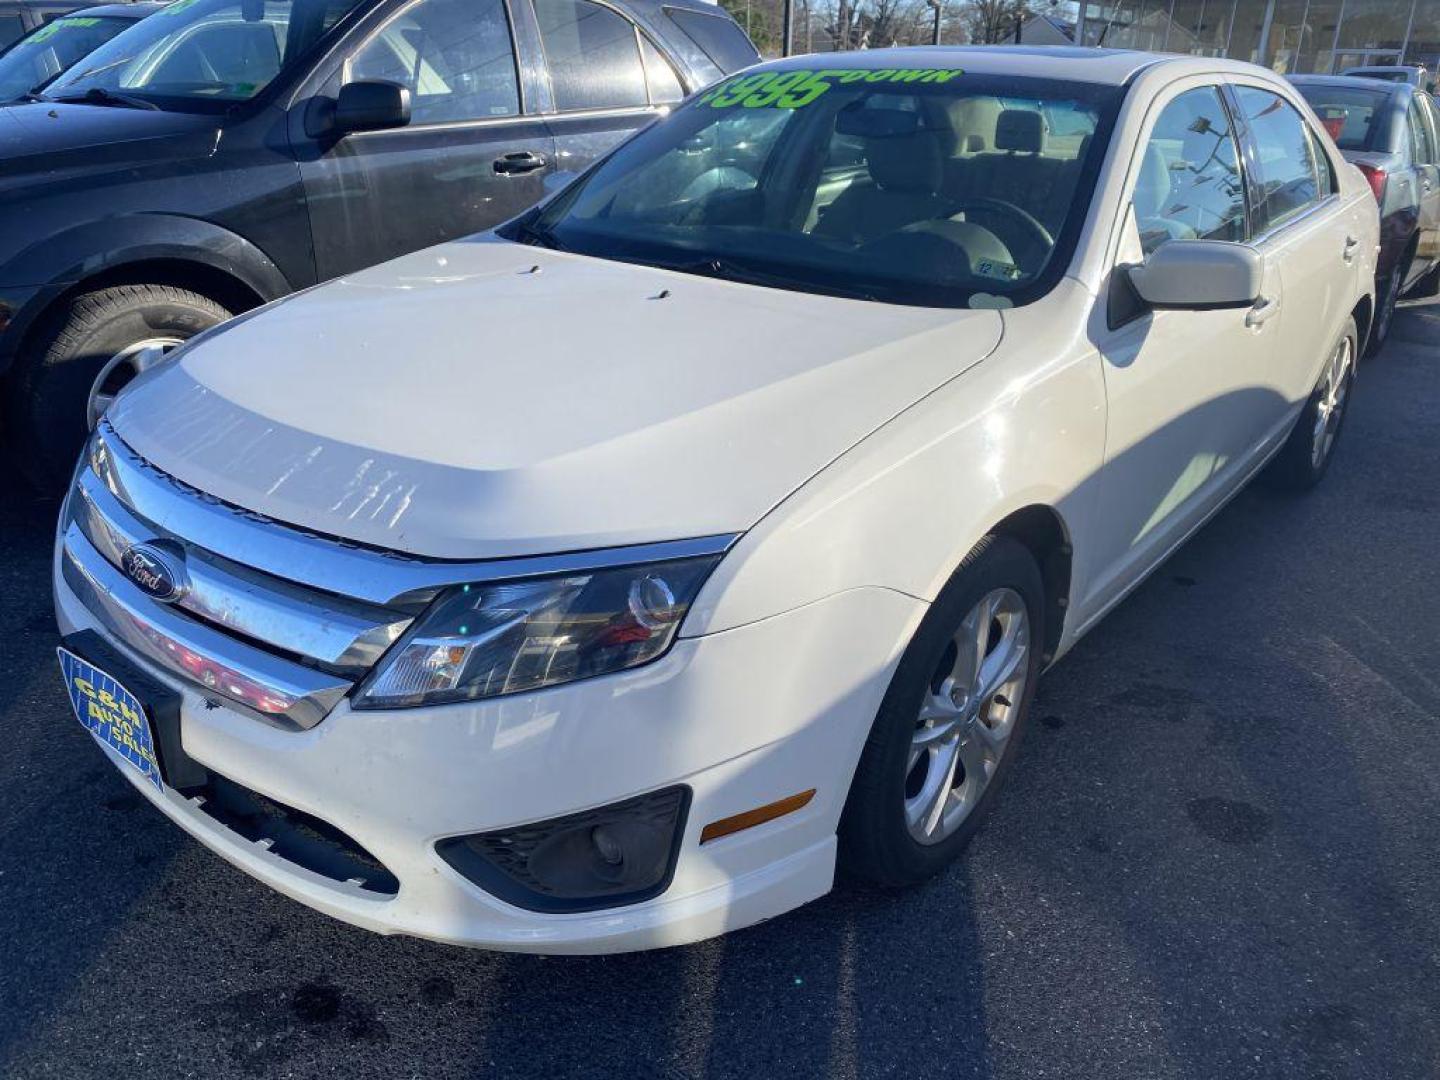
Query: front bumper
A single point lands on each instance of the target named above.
(743, 718)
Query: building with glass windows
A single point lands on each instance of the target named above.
(1286, 35)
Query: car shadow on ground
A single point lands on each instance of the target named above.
(1213, 858)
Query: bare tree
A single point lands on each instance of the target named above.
(990, 22)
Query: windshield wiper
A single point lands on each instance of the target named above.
(732, 270)
(102, 67)
(99, 96)
(530, 232)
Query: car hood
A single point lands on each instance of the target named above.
(47, 137)
(485, 399)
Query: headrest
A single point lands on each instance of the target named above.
(1020, 129)
(910, 163)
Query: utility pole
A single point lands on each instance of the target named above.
(787, 30)
(936, 5)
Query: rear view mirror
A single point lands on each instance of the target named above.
(876, 123)
(372, 105)
(1199, 275)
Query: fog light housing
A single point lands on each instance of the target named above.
(608, 857)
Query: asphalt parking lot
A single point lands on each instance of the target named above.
(1218, 856)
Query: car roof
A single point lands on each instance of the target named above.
(1355, 82)
(136, 9)
(1113, 67)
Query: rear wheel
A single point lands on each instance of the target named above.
(1387, 296)
(951, 720)
(1305, 457)
(83, 354)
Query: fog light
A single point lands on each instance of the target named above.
(619, 854)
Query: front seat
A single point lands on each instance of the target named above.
(907, 172)
(1153, 197)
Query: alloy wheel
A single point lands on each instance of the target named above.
(1330, 410)
(120, 369)
(968, 716)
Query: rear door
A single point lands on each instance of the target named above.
(474, 153)
(607, 77)
(1301, 229)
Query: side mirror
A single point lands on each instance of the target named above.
(371, 105)
(1199, 275)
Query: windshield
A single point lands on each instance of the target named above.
(910, 186)
(198, 51)
(1350, 115)
(35, 60)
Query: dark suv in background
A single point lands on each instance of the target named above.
(19, 17)
(223, 153)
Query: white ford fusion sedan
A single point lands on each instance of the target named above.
(607, 581)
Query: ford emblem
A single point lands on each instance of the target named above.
(160, 573)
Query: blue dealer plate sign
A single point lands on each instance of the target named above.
(111, 713)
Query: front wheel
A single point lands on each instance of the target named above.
(83, 355)
(951, 720)
(1305, 457)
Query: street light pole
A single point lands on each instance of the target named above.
(936, 5)
(787, 31)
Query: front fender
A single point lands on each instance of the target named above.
(38, 273)
(1024, 427)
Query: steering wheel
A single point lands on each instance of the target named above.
(1033, 229)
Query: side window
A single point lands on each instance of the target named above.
(454, 55)
(1324, 168)
(718, 37)
(665, 87)
(1189, 186)
(1423, 139)
(1286, 184)
(11, 29)
(594, 56)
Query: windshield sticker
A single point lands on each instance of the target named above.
(1001, 271)
(49, 30)
(796, 89)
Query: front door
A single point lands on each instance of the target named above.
(1187, 390)
(469, 159)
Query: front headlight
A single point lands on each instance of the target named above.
(494, 638)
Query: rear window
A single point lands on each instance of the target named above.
(720, 39)
(1350, 116)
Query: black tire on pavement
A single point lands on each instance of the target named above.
(48, 389)
(875, 841)
(1306, 455)
(1387, 295)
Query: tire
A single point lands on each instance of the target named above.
(1304, 459)
(1387, 295)
(48, 391)
(878, 834)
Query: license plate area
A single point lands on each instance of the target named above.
(126, 709)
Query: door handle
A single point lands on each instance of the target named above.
(519, 163)
(1350, 245)
(1263, 309)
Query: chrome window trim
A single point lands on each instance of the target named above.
(295, 696)
(334, 565)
